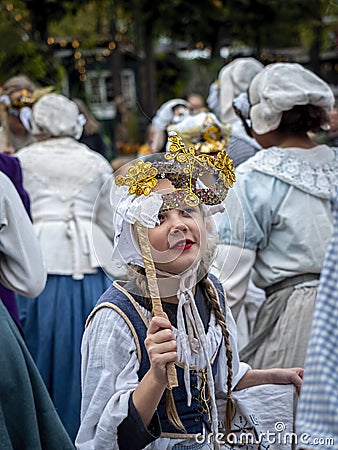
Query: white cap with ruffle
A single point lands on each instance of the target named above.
(55, 115)
(280, 87)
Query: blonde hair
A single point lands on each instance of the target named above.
(211, 296)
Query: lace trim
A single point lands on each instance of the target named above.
(317, 180)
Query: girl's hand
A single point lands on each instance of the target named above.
(272, 376)
(287, 376)
(161, 347)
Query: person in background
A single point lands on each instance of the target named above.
(213, 98)
(10, 166)
(170, 112)
(147, 148)
(279, 219)
(197, 103)
(28, 417)
(234, 79)
(329, 136)
(317, 411)
(92, 134)
(203, 130)
(333, 131)
(16, 101)
(69, 189)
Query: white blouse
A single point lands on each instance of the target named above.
(69, 186)
(22, 266)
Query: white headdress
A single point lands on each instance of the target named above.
(164, 117)
(55, 115)
(235, 78)
(280, 87)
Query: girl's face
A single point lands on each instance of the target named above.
(179, 240)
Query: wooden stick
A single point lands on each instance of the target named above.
(154, 292)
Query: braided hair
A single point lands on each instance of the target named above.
(212, 298)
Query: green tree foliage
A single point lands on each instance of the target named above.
(22, 49)
(26, 25)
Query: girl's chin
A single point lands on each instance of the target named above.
(177, 268)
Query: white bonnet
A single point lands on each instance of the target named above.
(55, 115)
(164, 117)
(235, 78)
(280, 87)
(165, 113)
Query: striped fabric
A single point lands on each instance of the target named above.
(240, 149)
(317, 414)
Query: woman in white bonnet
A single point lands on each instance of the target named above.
(234, 79)
(64, 179)
(170, 112)
(278, 219)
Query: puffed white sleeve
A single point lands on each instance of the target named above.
(21, 264)
(233, 266)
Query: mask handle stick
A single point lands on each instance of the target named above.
(154, 292)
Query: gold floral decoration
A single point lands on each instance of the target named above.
(227, 170)
(212, 134)
(143, 177)
(215, 138)
(222, 162)
(140, 178)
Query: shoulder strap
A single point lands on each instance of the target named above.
(117, 298)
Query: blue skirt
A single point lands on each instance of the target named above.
(53, 325)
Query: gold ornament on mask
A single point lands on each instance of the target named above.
(140, 178)
(183, 167)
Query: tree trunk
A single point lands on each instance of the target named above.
(149, 73)
(315, 48)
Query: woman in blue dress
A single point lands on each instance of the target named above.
(69, 187)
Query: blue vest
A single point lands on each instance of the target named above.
(199, 412)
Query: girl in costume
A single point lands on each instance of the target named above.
(159, 350)
(63, 179)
